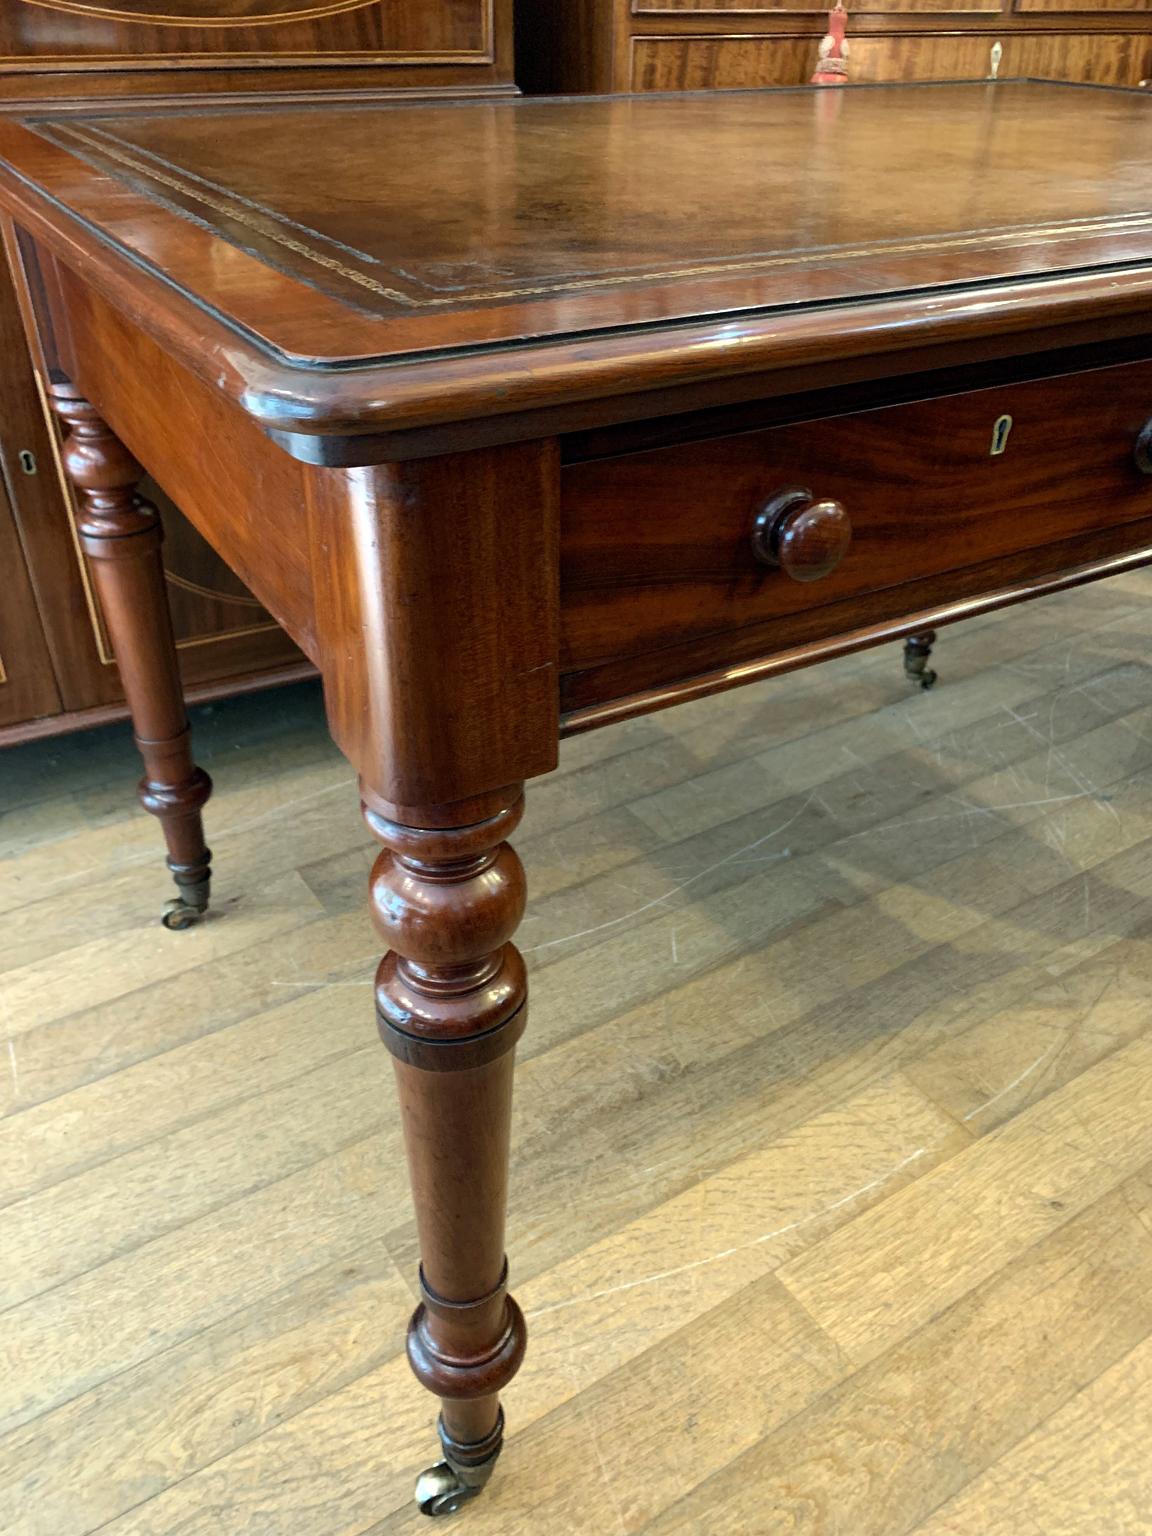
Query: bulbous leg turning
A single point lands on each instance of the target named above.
(451, 1004)
(917, 649)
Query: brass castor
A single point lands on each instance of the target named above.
(444, 1489)
(917, 649)
(179, 914)
(194, 882)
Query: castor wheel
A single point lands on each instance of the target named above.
(440, 1490)
(917, 649)
(179, 914)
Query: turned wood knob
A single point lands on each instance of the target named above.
(807, 539)
(1143, 450)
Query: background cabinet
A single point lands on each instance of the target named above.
(673, 45)
(56, 666)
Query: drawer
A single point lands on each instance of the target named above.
(657, 547)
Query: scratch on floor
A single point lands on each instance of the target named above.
(727, 1253)
(1058, 757)
(14, 1071)
(966, 814)
(1034, 1066)
(609, 1487)
(625, 917)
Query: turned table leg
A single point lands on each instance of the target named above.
(450, 998)
(120, 533)
(917, 649)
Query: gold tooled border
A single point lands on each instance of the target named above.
(1038, 234)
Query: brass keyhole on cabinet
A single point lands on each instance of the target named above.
(27, 461)
(1000, 433)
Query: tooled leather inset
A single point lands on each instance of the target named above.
(442, 279)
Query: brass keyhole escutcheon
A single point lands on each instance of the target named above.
(1000, 430)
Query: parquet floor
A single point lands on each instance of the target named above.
(832, 1185)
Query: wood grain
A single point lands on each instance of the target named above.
(733, 63)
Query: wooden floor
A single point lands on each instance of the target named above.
(832, 1192)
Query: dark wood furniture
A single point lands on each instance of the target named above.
(57, 669)
(592, 406)
(679, 45)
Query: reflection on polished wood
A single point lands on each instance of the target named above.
(542, 427)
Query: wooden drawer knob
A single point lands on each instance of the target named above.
(807, 539)
(1144, 448)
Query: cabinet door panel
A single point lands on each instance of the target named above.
(670, 64)
(1112, 59)
(726, 8)
(187, 33)
(1128, 6)
(27, 684)
(700, 64)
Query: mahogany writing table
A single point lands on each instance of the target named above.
(527, 416)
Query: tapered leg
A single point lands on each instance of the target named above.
(451, 1004)
(917, 649)
(120, 533)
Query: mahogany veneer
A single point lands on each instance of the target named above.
(546, 426)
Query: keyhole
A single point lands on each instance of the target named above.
(27, 461)
(1000, 435)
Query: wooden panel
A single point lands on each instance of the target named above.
(924, 489)
(726, 8)
(27, 684)
(152, 33)
(1119, 58)
(227, 474)
(1084, 5)
(689, 63)
(700, 64)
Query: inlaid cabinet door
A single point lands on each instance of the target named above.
(27, 683)
(186, 33)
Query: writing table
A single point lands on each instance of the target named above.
(526, 416)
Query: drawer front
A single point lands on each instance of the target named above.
(658, 547)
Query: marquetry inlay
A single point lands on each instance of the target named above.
(205, 13)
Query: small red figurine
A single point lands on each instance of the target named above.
(832, 68)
